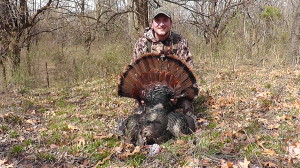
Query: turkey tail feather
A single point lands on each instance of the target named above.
(154, 69)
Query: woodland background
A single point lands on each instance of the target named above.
(59, 66)
(44, 43)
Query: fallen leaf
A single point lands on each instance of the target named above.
(225, 164)
(46, 166)
(265, 150)
(9, 166)
(85, 163)
(273, 126)
(206, 161)
(103, 136)
(191, 162)
(21, 138)
(180, 142)
(53, 146)
(269, 152)
(80, 141)
(244, 164)
(284, 117)
(200, 120)
(103, 160)
(137, 149)
(230, 164)
(30, 121)
(26, 165)
(2, 162)
(269, 165)
(42, 129)
(241, 134)
(127, 153)
(260, 143)
(294, 151)
(119, 149)
(227, 134)
(72, 127)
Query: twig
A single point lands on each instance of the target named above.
(47, 76)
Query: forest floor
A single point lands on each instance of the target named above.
(248, 116)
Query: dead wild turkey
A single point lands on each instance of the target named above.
(156, 82)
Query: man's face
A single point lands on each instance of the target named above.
(161, 25)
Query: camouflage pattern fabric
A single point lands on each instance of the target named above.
(174, 44)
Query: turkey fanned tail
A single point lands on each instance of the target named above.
(158, 83)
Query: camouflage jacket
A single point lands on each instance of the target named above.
(174, 44)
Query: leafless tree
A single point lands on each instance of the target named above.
(295, 37)
(19, 24)
(15, 19)
(142, 13)
(211, 16)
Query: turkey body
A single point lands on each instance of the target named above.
(158, 122)
(156, 82)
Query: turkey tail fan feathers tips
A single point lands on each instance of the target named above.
(153, 69)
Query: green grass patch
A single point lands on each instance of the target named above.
(266, 103)
(48, 157)
(75, 149)
(253, 127)
(27, 142)
(189, 137)
(61, 102)
(24, 91)
(298, 80)
(14, 134)
(14, 119)
(56, 138)
(215, 147)
(16, 150)
(96, 156)
(59, 127)
(212, 125)
(203, 142)
(268, 86)
(200, 105)
(112, 142)
(4, 128)
(42, 110)
(75, 119)
(27, 104)
(85, 94)
(136, 160)
(251, 150)
(91, 148)
(288, 132)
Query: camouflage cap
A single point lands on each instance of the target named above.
(161, 10)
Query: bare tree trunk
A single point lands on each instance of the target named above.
(294, 55)
(82, 7)
(24, 12)
(142, 13)
(3, 70)
(130, 21)
(15, 54)
(3, 51)
(27, 58)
